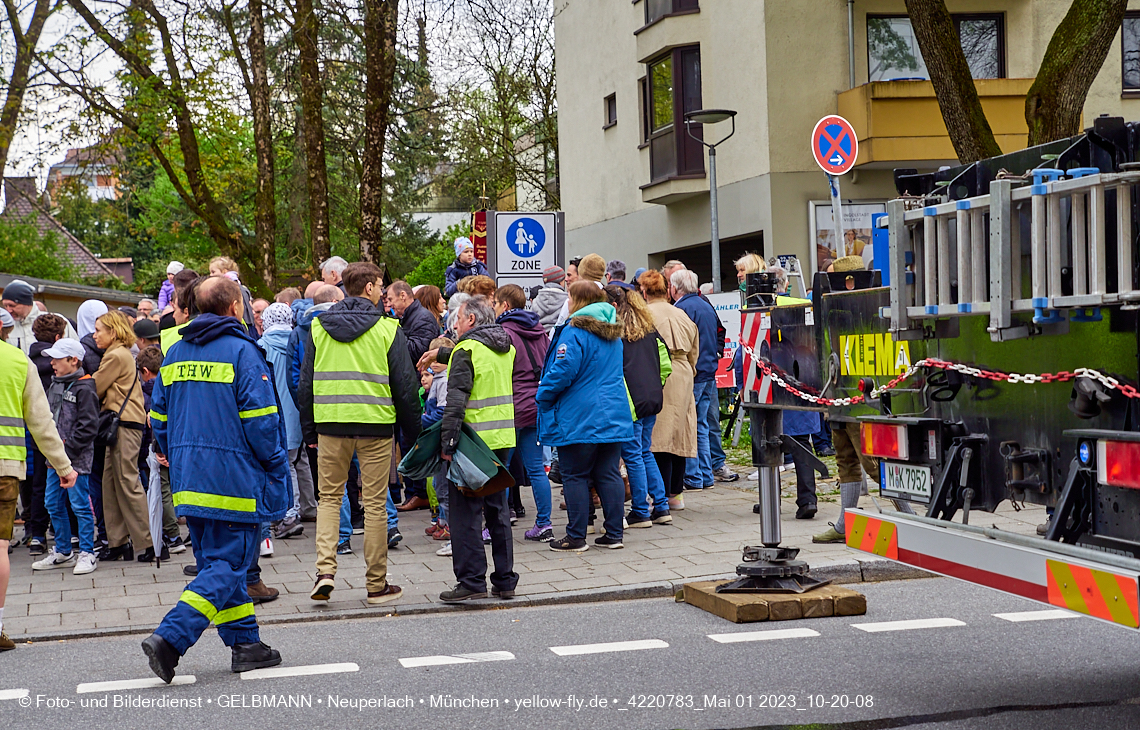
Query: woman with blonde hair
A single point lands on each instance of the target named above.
(120, 393)
(646, 364)
(225, 266)
(749, 263)
(675, 434)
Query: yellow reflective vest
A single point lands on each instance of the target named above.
(350, 379)
(13, 377)
(491, 405)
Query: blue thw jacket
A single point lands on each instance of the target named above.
(216, 417)
(582, 397)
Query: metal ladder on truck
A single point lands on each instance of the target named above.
(932, 247)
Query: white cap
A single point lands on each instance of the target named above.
(66, 347)
(174, 267)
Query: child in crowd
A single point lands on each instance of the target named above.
(75, 409)
(149, 362)
(434, 381)
(166, 292)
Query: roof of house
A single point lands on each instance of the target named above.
(20, 203)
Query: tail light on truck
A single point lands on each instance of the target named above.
(886, 441)
(1118, 463)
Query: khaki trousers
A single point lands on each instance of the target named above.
(334, 457)
(848, 457)
(124, 501)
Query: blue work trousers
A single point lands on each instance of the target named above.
(224, 552)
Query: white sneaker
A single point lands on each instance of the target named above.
(445, 551)
(54, 560)
(267, 548)
(754, 476)
(85, 564)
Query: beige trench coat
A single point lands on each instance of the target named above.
(676, 428)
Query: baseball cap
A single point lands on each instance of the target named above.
(147, 328)
(66, 347)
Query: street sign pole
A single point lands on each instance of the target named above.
(715, 222)
(837, 215)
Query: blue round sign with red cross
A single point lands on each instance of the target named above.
(834, 145)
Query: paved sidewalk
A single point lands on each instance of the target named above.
(704, 540)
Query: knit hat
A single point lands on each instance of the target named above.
(462, 244)
(592, 267)
(850, 263)
(20, 292)
(277, 315)
(6, 319)
(174, 267)
(614, 267)
(147, 328)
(553, 275)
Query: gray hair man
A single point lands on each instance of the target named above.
(615, 273)
(479, 394)
(331, 270)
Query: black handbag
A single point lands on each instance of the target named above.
(109, 420)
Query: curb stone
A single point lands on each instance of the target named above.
(857, 571)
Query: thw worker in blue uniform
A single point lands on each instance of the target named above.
(215, 417)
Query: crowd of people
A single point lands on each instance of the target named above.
(276, 417)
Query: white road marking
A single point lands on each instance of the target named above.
(608, 647)
(1047, 615)
(920, 623)
(273, 672)
(437, 661)
(13, 694)
(763, 635)
(133, 684)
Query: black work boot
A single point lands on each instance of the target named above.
(253, 656)
(163, 657)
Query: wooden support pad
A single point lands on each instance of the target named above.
(744, 608)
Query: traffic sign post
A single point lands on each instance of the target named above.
(521, 245)
(835, 147)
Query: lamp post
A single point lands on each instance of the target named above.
(712, 116)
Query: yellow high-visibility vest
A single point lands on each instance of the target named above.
(169, 336)
(13, 376)
(350, 379)
(491, 405)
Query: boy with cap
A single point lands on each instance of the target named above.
(147, 333)
(550, 298)
(75, 409)
(465, 265)
(166, 293)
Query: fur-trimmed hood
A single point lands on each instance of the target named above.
(604, 330)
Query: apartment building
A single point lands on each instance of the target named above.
(634, 183)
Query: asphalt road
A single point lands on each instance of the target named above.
(962, 667)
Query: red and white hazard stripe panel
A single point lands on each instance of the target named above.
(1105, 592)
(756, 329)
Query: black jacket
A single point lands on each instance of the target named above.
(42, 361)
(642, 366)
(75, 408)
(345, 321)
(461, 378)
(420, 328)
(94, 356)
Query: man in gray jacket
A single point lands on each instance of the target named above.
(548, 303)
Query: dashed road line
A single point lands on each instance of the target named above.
(133, 684)
(920, 623)
(442, 659)
(303, 671)
(608, 647)
(1047, 615)
(769, 635)
(13, 694)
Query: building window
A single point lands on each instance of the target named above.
(610, 105)
(1130, 51)
(657, 9)
(893, 53)
(673, 87)
(642, 110)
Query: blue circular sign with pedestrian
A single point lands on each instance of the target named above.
(526, 237)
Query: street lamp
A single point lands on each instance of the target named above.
(712, 116)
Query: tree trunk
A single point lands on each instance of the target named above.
(380, 18)
(306, 29)
(953, 84)
(265, 211)
(1075, 55)
(25, 46)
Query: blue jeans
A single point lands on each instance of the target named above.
(641, 468)
(580, 462)
(710, 455)
(54, 500)
(345, 517)
(530, 452)
(393, 515)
